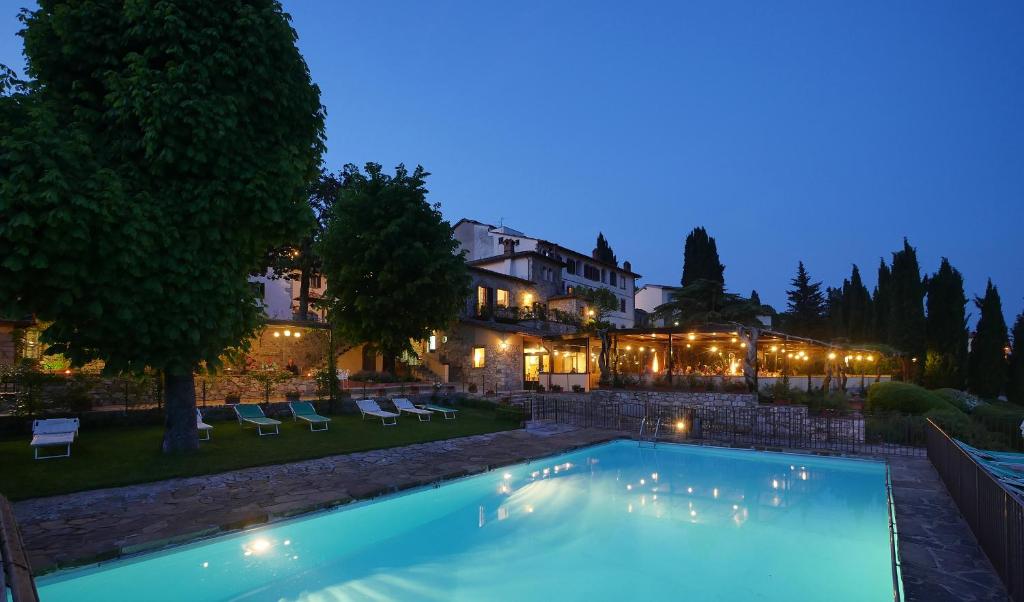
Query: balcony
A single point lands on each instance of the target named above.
(536, 318)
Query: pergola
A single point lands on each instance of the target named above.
(723, 350)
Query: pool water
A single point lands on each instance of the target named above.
(613, 522)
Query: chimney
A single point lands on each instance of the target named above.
(510, 245)
(627, 266)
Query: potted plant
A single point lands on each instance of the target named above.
(233, 399)
(293, 395)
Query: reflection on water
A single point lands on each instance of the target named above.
(616, 522)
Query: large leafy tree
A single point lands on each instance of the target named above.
(805, 313)
(393, 269)
(160, 149)
(906, 310)
(986, 365)
(945, 329)
(603, 251)
(700, 259)
(1015, 384)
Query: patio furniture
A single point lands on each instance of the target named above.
(204, 429)
(253, 414)
(404, 405)
(448, 413)
(306, 411)
(54, 432)
(369, 407)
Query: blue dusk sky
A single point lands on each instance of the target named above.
(816, 131)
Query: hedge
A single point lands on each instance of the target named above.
(905, 398)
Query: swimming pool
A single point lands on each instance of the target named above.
(617, 521)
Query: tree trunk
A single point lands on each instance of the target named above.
(304, 292)
(180, 433)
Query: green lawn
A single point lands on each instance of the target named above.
(123, 456)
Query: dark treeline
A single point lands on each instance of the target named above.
(922, 317)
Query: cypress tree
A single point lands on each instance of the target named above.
(986, 364)
(603, 251)
(880, 303)
(946, 329)
(700, 259)
(906, 310)
(835, 311)
(1015, 386)
(806, 305)
(755, 298)
(856, 301)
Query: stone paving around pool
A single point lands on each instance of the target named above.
(85, 527)
(940, 557)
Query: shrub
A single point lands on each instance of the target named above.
(736, 386)
(480, 404)
(556, 388)
(510, 413)
(370, 376)
(781, 391)
(904, 398)
(962, 400)
(471, 388)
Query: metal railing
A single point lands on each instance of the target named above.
(16, 574)
(750, 426)
(993, 512)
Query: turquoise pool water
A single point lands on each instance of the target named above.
(612, 522)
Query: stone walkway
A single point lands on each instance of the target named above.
(81, 528)
(939, 555)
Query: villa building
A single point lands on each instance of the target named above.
(520, 325)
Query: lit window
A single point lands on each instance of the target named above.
(527, 299)
(479, 357)
(432, 343)
(502, 298)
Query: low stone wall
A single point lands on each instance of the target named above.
(143, 392)
(719, 414)
(674, 398)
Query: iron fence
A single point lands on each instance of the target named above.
(994, 513)
(790, 427)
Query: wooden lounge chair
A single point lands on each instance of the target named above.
(253, 414)
(306, 411)
(54, 432)
(369, 407)
(404, 405)
(204, 429)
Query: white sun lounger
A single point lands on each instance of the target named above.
(404, 405)
(54, 432)
(369, 407)
(204, 429)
